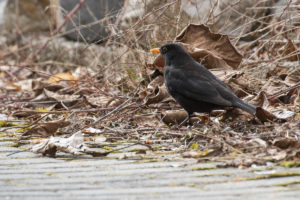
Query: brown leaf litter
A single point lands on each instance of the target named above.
(63, 104)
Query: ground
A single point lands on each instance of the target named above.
(26, 175)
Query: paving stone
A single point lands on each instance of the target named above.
(26, 175)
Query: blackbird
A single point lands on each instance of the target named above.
(194, 87)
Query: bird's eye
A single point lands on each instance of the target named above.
(164, 49)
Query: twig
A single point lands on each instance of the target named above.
(95, 154)
(219, 140)
(297, 85)
(120, 107)
(66, 111)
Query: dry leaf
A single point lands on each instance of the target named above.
(210, 49)
(74, 145)
(100, 101)
(284, 143)
(146, 121)
(283, 114)
(174, 116)
(199, 36)
(293, 77)
(263, 115)
(47, 129)
(64, 76)
(290, 49)
(38, 86)
(65, 98)
(261, 100)
(158, 95)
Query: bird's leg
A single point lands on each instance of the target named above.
(185, 120)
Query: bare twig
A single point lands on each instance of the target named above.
(297, 85)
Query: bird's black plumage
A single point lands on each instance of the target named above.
(194, 87)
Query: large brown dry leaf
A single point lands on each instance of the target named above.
(210, 49)
(199, 36)
(47, 129)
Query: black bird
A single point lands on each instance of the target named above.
(194, 87)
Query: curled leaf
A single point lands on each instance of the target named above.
(64, 76)
(174, 117)
(160, 94)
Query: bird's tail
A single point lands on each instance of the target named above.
(246, 107)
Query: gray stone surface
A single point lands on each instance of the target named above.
(92, 20)
(30, 176)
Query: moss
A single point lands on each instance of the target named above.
(275, 175)
(289, 164)
(7, 139)
(194, 146)
(108, 148)
(288, 184)
(118, 151)
(283, 174)
(147, 161)
(204, 168)
(4, 123)
(156, 147)
(136, 149)
(22, 130)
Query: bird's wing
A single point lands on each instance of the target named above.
(199, 90)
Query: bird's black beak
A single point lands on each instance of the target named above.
(155, 50)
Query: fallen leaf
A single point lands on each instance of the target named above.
(263, 115)
(199, 36)
(293, 77)
(46, 129)
(288, 50)
(99, 101)
(210, 49)
(146, 121)
(174, 116)
(64, 76)
(74, 145)
(65, 98)
(284, 143)
(261, 100)
(158, 95)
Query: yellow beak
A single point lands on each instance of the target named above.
(155, 50)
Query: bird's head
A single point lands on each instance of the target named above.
(171, 52)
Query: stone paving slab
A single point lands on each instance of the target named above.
(30, 176)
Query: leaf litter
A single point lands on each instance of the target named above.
(106, 111)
